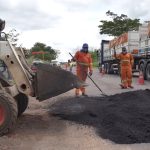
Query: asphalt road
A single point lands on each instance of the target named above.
(37, 129)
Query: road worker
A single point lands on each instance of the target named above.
(126, 63)
(84, 64)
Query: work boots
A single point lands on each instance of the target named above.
(130, 86)
(123, 87)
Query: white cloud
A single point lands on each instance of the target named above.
(27, 15)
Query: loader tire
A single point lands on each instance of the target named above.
(8, 112)
(22, 103)
(148, 72)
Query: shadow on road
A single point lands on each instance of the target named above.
(122, 118)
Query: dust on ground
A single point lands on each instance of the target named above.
(122, 118)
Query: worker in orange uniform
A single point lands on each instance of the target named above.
(84, 64)
(126, 63)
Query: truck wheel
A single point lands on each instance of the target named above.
(22, 103)
(110, 69)
(141, 68)
(8, 112)
(148, 72)
(106, 68)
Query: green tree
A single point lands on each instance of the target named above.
(118, 25)
(49, 52)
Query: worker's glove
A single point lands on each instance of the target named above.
(91, 72)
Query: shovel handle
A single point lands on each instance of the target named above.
(71, 55)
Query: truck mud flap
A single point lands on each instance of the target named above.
(51, 81)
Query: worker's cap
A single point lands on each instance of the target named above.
(85, 46)
(124, 49)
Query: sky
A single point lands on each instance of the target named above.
(65, 24)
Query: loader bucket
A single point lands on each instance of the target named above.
(51, 81)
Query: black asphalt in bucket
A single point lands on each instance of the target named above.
(122, 118)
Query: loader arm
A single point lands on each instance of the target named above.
(21, 76)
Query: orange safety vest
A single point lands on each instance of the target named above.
(126, 60)
(84, 61)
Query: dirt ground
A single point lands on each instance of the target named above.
(93, 123)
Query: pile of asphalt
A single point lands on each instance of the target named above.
(122, 118)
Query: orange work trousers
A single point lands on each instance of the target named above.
(82, 75)
(126, 76)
